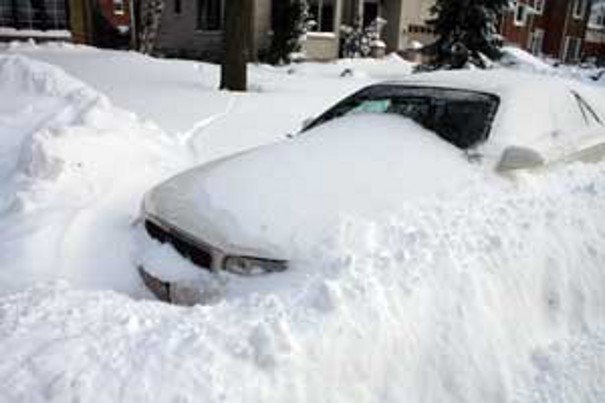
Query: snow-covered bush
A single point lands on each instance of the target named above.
(358, 41)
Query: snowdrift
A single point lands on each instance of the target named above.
(495, 295)
(65, 150)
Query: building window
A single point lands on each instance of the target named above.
(579, 8)
(56, 14)
(536, 41)
(118, 7)
(177, 6)
(597, 16)
(322, 15)
(209, 15)
(34, 14)
(6, 13)
(370, 12)
(539, 6)
(572, 49)
(520, 14)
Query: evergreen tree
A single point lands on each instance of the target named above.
(290, 28)
(467, 32)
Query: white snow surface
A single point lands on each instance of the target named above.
(278, 199)
(523, 60)
(72, 168)
(496, 293)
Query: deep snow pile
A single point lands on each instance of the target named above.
(514, 57)
(73, 170)
(495, 295)
(521, 59)
(181, 96)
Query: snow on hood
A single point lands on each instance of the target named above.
(275, 197)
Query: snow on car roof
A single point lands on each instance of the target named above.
(534, 109)
(494, 81)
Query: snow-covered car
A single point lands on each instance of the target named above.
(387, 143)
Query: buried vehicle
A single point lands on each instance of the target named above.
(391, 142)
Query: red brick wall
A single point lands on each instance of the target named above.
(520, 34)
(561, 23)
(557, 21)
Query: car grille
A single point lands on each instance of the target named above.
(186, 248)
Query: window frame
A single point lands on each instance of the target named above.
(597, 17)
(389, 90)
(44, 16)
(523, 21)
(577, 50)
(319, 17)
(536, 33)
(579, 5)
(201, 17)
(119, 7)
(539, 10)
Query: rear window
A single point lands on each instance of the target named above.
(463, 118)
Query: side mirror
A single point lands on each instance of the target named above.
(519, 158)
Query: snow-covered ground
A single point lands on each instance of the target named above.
(495, 295)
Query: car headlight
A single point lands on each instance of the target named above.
(251, 266)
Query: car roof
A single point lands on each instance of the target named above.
(533, 107)
(501, 82)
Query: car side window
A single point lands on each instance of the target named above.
(372, 106)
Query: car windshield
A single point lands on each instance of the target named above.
(463, 118)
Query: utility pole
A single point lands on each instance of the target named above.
(237, 28)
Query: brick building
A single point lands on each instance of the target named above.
(96, 22)
(554, 28)
(194, 27)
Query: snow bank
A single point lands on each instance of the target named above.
(389, 67)
(520, 59)
(25, 75)
(64, 149)
(494, 295)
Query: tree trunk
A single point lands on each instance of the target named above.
(237, 28)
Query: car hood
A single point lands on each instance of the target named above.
(274, 200)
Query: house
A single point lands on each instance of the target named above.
(103, 23)
(193, 28)
(594, 41)
(554, 28)
(38, 19)
(405, 28)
